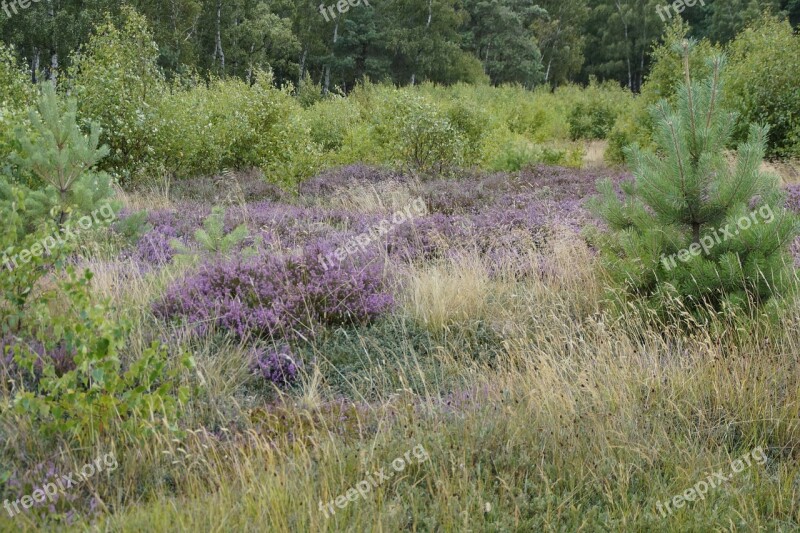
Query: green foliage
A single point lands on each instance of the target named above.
(471, 125)
(16, 97)
(133, 226)
(61, 157)
(597, 108)
(232, 125)
(666, 74)
(510, 152)
(212, 237)
(682, 197)
(330, 120)
(593, 121)
(762, 83)
(633, 125)
(417, 133)
(98, 396)
(117, 82)
(308, 92)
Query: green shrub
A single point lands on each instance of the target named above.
(229, 124)
(212, 238)
(596, 110)
(117, 82)
(330, 120)
(633, 125)
(529, 114)
(97, 398)
(17, 95)
(309, 93)
(762, 83)
(666, 73)
(57, 153)
(514, 155)
(590, 121)
(471, 125)
(65, 346)
(416, 133)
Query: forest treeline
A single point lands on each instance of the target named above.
(336, 44)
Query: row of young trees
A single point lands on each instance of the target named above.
(523, 41)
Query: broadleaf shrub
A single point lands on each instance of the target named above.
(762, 83)
(417, 133)
(95, 395)
(118, 84)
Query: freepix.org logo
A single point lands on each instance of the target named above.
(49, 492)
(51, 242)
(8, 7)
(718, 236)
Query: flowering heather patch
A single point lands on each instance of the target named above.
(490, 211)
(153, 247)
(290, 225)
(793, 197)
(564, 183)
(276, 365)
(277, 296)
(462, 197)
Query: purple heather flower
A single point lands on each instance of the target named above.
(276, 365)
(273, 296)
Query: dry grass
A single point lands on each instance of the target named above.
(595, 154)
(387, 196)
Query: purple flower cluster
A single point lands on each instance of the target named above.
(276, 365)
(793, 197)
(286, 289)
(153, 248)
(276, 296)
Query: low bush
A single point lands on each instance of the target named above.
(762, 83)
(686, 203)
(232, 125)
(274, 296)
(596, 109)
(417, 133)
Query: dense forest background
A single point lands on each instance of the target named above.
(530, 42)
